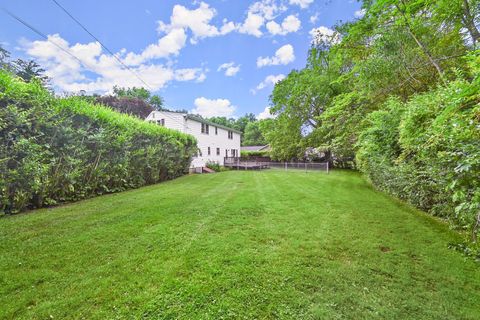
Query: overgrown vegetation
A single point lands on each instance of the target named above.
(397, 90)
(57, 150)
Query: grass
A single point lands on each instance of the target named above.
(236, 245)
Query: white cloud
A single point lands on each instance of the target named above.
(258, 14)
(289, 24)
(170, 44)
(213, 107)
(270, 80)
(314, 18)
(190, 74)
(324, 35)
(68, 74)
(269, 9)
(252, 25)
(302, 3)
(265, 114)
(197, 20)
(230, 69)
(284, 56)
(359, 13)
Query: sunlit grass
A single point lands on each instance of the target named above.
(265, 245)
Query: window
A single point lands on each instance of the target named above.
(234, 153)
(199, 152)
(218, 151)
(226, 153)
(216, 131)
(205, 128)
(208, 151)
(230, 135)
(161, 122)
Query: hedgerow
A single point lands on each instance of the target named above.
(58, 150)
(427, 150)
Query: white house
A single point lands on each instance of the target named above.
(214, 141)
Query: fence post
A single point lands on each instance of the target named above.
(305, 167)
(327, 168)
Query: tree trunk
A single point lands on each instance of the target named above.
(421, 45)
(469, 22)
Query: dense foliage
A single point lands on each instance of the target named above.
(129, 105)
(248, 125)
(56, 150)
(398, 90)
(427, 150)
(154, 101)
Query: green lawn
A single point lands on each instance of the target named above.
(236, 245)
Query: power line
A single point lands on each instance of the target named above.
(42, 35)
(101, 43)
(111, 53)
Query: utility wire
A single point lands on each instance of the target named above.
(41, 34)
(44, 36)
(111, 53)
(101, 43)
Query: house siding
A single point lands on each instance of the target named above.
(179, 121)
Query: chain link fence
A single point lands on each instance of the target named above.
(242, 164)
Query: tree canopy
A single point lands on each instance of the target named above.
(397, 91)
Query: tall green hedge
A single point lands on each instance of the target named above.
(57, 150)
(427, 150)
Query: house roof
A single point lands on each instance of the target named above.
(254, 148)
(199, 119)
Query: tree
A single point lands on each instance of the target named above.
(242, 122)
(223, 121)
(157, 102)
(253, 135)
(284, 138)
(29, 70)
(4, 56)
(134, 92)
(129, 105)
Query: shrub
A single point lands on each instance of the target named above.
(427, 150)
(57, 150)
(213, 165)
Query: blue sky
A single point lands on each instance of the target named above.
(212, 57)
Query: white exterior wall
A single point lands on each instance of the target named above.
(173, 120)
(180, 122)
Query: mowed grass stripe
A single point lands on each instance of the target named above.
(265, 245)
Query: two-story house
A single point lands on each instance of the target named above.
(214, 141)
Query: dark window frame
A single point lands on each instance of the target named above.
(205, 128)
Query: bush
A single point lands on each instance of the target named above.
(213, 165)
(57, 150)
(253, 154)
(427, 150)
